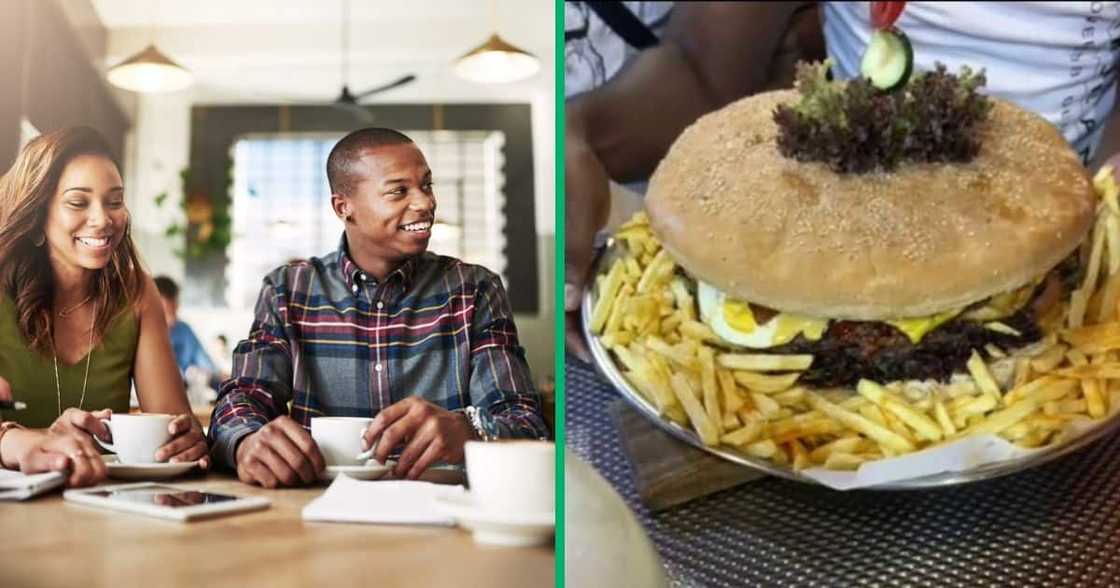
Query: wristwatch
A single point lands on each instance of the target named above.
(482, 423)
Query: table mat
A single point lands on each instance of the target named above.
(1055, 525)
(669, 473)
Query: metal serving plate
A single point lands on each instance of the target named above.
(607, 366)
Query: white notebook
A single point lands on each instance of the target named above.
(19, 486)
(394, 502)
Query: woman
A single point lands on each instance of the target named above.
(79, 319)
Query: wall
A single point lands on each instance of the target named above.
(50, 76)
(157, 149)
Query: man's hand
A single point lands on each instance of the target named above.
(586, 211)
(427, 432)
(187, 442)
(281, 453)
(80, 422)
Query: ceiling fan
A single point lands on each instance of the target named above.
(348, 100)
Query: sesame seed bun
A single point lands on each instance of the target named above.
(925, 238)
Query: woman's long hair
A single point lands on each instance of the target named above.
(26, 279)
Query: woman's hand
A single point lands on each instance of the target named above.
(80, 422)
(37, 452)
(187, 442)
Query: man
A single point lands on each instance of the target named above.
(423, 343)
(189, 352)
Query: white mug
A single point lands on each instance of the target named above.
(136, 437)
(339, 438)
(512, 476)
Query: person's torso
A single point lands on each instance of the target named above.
(185, 346)
(359, 346)
(32, 375)
(1057, 59)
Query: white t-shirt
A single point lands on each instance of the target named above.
(1058, 59)
(593, 53)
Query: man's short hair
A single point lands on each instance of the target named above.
(347, 152)
(167, 288)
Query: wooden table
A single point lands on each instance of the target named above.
(46, 542)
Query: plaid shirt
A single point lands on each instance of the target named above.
(332, 341)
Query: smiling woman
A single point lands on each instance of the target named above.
(52, 221)
(78, 315)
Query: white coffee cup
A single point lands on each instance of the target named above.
(136, 437)
(339, 438)
(512, 476)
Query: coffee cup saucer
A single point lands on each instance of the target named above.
(371, 470)
(146, 471)
(505, 528)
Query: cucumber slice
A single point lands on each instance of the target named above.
(889, 59)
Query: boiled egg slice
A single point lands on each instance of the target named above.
(735, 323)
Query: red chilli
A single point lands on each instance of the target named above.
(884, 14)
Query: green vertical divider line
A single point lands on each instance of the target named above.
(559, 282)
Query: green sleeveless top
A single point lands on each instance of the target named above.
(31, 374)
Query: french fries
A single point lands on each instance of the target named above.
(765, 363)
(646, 315)
(918, 421)
(982, 376)
(765, 383)
(709, 386)
(858, 423)
(707, 430)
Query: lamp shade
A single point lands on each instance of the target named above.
(496, 62)
(149, 71)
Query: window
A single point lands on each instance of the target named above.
(281, 202)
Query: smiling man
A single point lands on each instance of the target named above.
(380, 328)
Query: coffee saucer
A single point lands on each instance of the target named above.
(372, 470)
(146, 471)
(507, 529)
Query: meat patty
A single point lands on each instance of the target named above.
(850, 351)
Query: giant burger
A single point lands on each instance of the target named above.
(888, 235)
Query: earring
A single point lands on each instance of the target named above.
(41, 240)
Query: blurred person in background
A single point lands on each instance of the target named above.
(80, 321)
(190, 355)
(712, 53)
(220, 351)
(424, 344)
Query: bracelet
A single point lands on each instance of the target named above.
(4, 428)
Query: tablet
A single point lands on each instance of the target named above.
(165, 501)
(20, 486)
